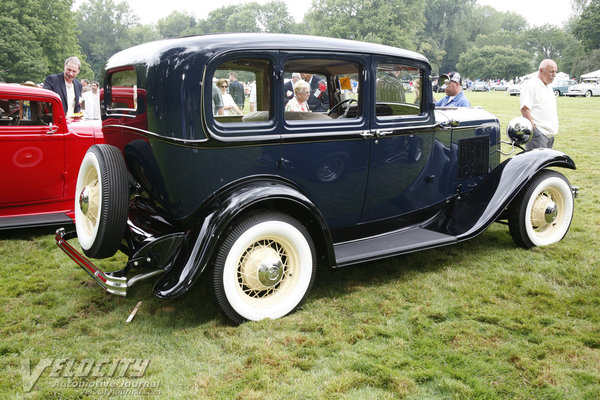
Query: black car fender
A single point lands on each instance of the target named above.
(469, 215)
(221, 211)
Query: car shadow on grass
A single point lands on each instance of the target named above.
(337, 282)
(197, 308)
(32, 232)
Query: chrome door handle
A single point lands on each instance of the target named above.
(52, 129)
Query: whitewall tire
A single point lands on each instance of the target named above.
(541, 214)
(265, 267)
(101, 199)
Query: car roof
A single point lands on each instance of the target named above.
(151, 53)
(14, 89)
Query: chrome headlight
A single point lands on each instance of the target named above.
(519, 130)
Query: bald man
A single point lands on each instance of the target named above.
(538, 105)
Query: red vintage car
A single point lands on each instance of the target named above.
(40, 154)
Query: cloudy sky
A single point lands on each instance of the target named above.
(537, 12)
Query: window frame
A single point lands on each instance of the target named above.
(240, 131)
(426, 115)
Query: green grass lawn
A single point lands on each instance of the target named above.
(484, 319)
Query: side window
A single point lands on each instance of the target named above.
(398, 90)
(123, 92)
(241, 91)
(15, 112)
(321, 89)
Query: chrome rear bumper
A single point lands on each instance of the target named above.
(111, 283)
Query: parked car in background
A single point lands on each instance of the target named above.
(514, 89)
(255, 201)
(586, 88)
(561, 86)
(40, 154)
(480, 86)
(499, 86)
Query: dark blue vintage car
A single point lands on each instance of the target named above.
(183, 186)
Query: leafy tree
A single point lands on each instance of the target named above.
(21, 56)
(176, 24)
(513, 22)
(484, 21)
(139, 34)
(546, 41)
(40, 32)
(274, 17)
(579, 5)
(446, 23)
(502, 38)
(494, 62)
(104, 28)
(585, 63)
(588, 26)
(250, 17)
(390, 22)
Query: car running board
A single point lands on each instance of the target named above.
(389, 244)
(28, 221)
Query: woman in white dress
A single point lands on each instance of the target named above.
(229, 105)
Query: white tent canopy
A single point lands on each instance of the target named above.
(591, 75)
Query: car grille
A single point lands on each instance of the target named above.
(473, 156)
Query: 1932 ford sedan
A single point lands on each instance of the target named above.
(256, 199)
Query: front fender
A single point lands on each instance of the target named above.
(469, 216)
(221, 211)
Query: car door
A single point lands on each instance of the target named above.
(406, 161)
(325, 152)
(32, 151)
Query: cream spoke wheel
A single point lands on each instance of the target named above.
(544, 212)
(265, 268)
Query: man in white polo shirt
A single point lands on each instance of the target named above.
(538, 105)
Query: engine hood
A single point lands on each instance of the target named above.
(463, 116)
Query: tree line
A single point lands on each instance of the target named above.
(36, 36)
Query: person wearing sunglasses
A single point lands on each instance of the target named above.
(229, 105)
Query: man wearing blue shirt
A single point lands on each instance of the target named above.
(454, 94)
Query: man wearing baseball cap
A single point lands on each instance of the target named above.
(454, 94)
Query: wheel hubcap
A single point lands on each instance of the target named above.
(84, 200)
(270, 272)
(262, 269)
(89, 206)
(544, 212)
(551, 213)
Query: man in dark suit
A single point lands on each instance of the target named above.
(288, 87)
(67, 86)
(236, 90)
(318, 100)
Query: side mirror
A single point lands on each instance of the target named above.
(519, 130)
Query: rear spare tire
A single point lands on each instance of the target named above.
(101, 199)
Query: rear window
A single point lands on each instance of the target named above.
(241, 91)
